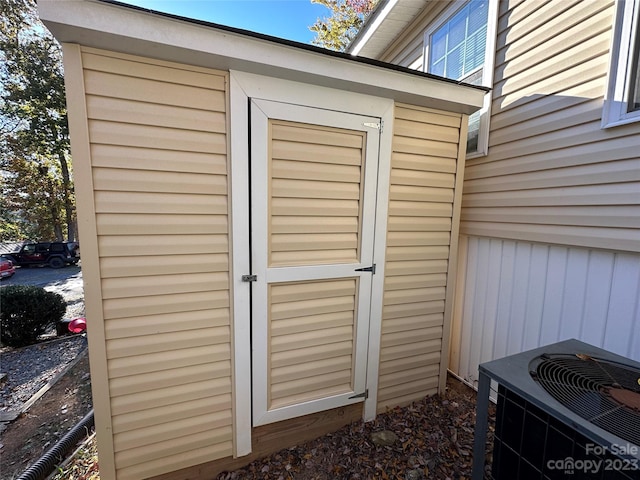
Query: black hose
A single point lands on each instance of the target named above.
(56, 454)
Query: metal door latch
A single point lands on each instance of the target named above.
(371, 269)
(249, 278)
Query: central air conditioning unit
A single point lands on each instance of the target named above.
(566, 411)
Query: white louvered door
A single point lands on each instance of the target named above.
(313, 195)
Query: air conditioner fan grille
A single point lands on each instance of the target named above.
(605, 393)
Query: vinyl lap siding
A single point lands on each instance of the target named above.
(159, 166)
(315, 207)
(552, 174)
(315, 184)
(312, 329)
(423, 170)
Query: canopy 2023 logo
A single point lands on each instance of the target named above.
(595, 465)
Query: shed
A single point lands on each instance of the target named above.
(268, 235)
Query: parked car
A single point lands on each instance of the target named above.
(54, 254)
(7, 270)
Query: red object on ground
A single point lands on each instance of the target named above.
(78, 325)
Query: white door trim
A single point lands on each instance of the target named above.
(261, 112)
(240, 262)
(244, 86)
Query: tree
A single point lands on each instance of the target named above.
(347, 17)
(34, 134)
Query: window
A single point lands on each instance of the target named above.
(461, 46)
(457, 48)
(622, 101)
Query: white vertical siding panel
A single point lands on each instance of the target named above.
(520, 295)
(623, 305)
(466, 327)
(480, 302)
(574, 293)
(634, 340)
(456, 333)
(597, 294)
(535, 290)
(552, 305)
(491, 302)
(503, 311)
(519, 298)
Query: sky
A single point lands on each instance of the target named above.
(289, 19)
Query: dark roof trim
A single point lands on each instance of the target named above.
(291, 43)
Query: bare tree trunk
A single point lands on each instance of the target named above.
(68, 205)
(57, 229)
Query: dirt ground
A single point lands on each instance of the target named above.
(52, 416)
(34, 432)
(430, 439)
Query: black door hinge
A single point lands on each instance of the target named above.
(371, 269)
(364, 395)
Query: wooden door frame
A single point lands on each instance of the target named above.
(243, 87)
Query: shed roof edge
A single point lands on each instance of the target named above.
(111, 25)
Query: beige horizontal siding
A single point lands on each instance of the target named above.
(604, 194)
(311, 344)
(159, 166)
(116, 156)
(165, 460)
(546, 146)
(315, 179)
(173, 395)
(552, 174)
(421, 199)
(163, 323)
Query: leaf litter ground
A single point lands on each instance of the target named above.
(433, 440)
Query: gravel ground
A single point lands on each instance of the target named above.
(29, 368)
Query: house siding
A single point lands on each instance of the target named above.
(424, 165)
(550, 224)
(158, 146)
(553, 177)
(552, 174)
(520, 295)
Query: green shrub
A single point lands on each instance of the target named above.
(25, 313)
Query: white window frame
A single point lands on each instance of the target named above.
(488, 66)
(622, 54)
